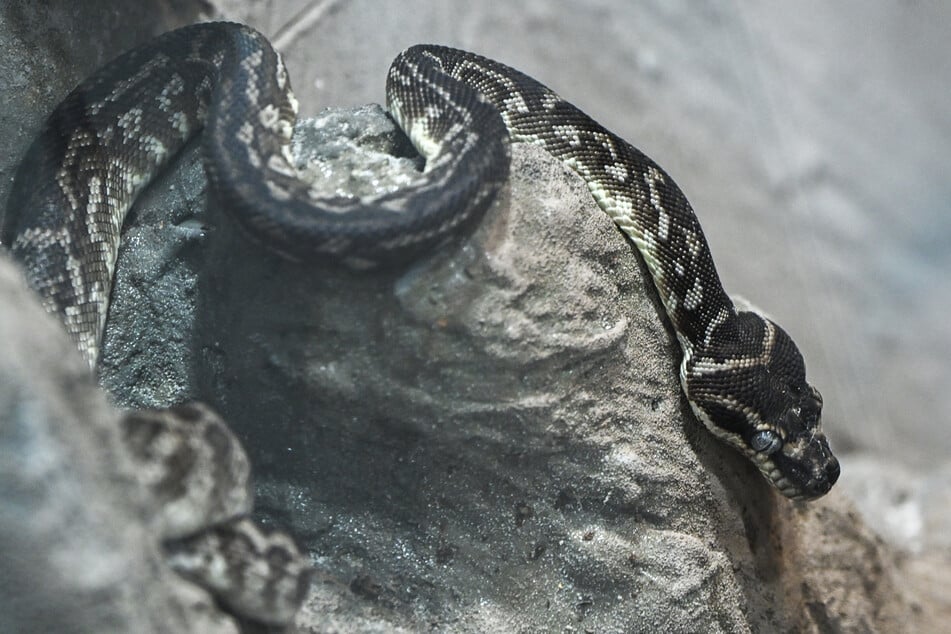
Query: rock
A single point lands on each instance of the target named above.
(483, 434)
(494, 438)
(911, 510)
(76, 551)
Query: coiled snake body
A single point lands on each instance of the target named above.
(742, 374)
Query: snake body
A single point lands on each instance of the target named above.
(741, 373)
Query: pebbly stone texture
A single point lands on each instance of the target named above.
(493, 438)
(464, 441)
(160, 259)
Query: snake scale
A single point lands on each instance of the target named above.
(741, 373)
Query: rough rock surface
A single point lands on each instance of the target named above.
(493, 438)
(76, 551)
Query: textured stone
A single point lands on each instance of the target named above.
(494, 437)
(482, 433)
(76, 550)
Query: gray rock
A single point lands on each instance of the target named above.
(480, 434)
(76, 550)
(160, 259)
(493, 438)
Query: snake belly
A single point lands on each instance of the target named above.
(742, 374)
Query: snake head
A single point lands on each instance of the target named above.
(748, 385)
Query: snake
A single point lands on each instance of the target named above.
(741, 373)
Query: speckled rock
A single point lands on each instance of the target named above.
(481, 434)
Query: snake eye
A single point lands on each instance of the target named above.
(766, 442)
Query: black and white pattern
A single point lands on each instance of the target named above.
(742, 374)
(196, 484)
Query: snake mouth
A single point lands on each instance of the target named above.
(803, 479)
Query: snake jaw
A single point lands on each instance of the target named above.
(805, 459)
(802, 468)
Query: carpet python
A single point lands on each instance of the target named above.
(741, 373)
